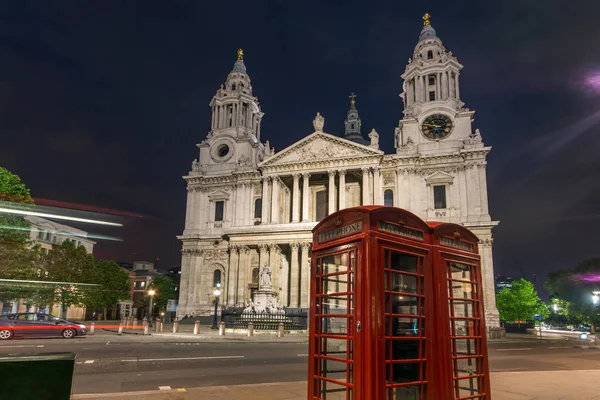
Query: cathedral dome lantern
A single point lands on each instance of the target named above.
(352, 124)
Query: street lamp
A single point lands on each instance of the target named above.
(555, 307)
(217, 293)
(596, 298)
(151, 293)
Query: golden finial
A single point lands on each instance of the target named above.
(426, 19)
(352, 97)
(240, 54)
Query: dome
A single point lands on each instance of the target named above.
(427, 32)
(239, 67)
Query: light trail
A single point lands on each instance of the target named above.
(55, 216)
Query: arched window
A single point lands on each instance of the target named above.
(255, 275)
(388, 198)
(258, 208)
(430, 55)
(217, 278)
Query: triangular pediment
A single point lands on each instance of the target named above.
(439, 177)
(320, 146)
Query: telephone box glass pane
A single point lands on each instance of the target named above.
(334, 316)
(404, 305)
(465, 322)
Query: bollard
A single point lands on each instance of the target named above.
(120, 329)
(175, 326)
(280, 330)
(161, 325)
(156, 326)
(250, 328)
(92, 328)
(146, 330)
(196, 327)
(222, 329)
(145, 321)
(135, 322)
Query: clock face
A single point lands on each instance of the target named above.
(437, 126)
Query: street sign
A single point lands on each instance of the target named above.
(537, 317)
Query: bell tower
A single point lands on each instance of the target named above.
(435, 119)
(233, 141)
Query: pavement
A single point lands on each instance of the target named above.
(556, 385)
(169, 367)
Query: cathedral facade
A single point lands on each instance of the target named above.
(248, 205)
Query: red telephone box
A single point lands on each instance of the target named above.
(382, 298)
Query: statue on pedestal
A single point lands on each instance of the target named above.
(265, 277)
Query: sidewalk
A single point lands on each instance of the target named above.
(186, 331)
(538, 385)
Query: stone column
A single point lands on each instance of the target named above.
(296, 198)
(233, 275)
(331, 191)
(342, 194)
(473, 193)
(444, 85)
(457, 87)
(365, 186)
(244, 274)
(305, 196)
(184, 282)
(371, 187)
(201, 209)
(377, 192)
(265, 200)
(483, 190)
(295, 276)
(304, 276)
(189, 209)
(438, 86)
(274, 253)
(197, 296)
(275, 201)
(492, 317)
(284, 294)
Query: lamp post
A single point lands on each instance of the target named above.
(595, 297)
(151, 293)
(217, 293)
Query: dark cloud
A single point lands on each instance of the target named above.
(103, 105)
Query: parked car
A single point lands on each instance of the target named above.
(36, 324)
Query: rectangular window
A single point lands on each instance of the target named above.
(431, 96)
(431, 80)
(439, 196)
(219, 207)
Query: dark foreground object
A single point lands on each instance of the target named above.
(36, 376)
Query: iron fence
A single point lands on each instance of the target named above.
(293, 320)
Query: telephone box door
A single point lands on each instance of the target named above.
(335, 345)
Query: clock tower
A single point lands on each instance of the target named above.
(435, 119)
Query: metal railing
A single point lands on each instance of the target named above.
(292, 319)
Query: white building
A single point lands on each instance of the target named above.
(46, 233)
(249, 205)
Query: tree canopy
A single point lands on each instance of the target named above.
(520, 302)
(576, 286)
(13, 228)
(114, 285)
(165, 291)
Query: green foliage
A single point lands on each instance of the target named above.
(13, 228)
(520, 302)
(571, 286)
(114, 285)
(165, 291)
(66, 263)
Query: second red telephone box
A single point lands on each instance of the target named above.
(381, 306)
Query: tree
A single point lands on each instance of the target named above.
(114, 286)
(13, 193)
(69, 264)
(576, 286)
(520, 302)
(165, 291)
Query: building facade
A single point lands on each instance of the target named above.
(248, 205)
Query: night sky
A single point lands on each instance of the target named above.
(103, 105)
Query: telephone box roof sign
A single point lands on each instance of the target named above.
(354, 221)
(454, 236)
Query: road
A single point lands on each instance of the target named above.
(131, 363)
